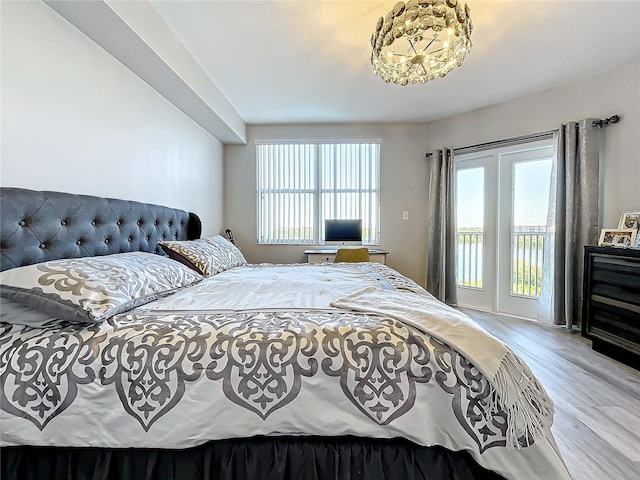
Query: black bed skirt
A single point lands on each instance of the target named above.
(259, 458)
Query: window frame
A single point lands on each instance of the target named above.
(320, 189)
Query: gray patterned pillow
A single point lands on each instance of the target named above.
(93, 289)
(207, 256)
(227, 254)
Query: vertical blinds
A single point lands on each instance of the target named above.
(302, 184)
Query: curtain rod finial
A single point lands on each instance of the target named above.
(606, 121)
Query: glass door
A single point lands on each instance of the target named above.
(524, 187)
(476, 231)
(501, 210)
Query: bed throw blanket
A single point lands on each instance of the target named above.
(515, 389)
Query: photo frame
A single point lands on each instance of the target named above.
(629, 220)
(617, 237)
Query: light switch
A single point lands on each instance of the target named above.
(405, 215)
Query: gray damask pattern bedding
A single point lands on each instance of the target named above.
(177, 379)
(259, 358)
(207, 256)
(93, 289)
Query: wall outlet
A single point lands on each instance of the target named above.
(405, 215)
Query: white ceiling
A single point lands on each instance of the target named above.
(308, 61)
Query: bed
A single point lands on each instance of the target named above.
(132, 348)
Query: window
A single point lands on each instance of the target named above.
(302, 183)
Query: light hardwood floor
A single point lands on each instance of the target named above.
(597, 420)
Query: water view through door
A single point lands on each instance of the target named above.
(501, 210)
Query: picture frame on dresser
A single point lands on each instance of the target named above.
(617, 237)
(631, 219)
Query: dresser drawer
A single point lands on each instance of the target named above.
(611, 299)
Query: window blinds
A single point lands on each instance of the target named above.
(302, 184)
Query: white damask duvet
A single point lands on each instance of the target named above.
(259, 350)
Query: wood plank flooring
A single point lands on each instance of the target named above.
(597, 420)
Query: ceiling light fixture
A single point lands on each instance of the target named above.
(421, 40)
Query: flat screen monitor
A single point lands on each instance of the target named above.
(343, 232)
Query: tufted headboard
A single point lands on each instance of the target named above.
(39, 226)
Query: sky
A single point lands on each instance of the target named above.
(531, 192)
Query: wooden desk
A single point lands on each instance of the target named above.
(320, 255)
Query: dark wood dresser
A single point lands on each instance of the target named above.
(611, 302)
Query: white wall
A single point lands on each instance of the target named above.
(404, 181)
(403, 186)
(617, 92)
(74, 119)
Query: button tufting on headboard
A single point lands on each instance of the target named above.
(39, 226)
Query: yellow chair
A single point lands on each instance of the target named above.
(352, 255)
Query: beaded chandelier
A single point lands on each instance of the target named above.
(421, 40)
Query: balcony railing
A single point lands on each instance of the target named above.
(470, 258)
(527, 254)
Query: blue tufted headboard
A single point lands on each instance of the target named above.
(38, 226)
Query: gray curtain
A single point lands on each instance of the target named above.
(441, 254)
(572, 221)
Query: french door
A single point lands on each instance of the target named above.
(502, 197)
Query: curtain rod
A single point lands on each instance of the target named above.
(504, 142)
(606, 121)
(524, 138)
